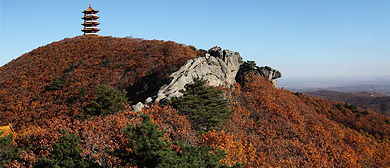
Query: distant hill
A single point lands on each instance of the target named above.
(376, 102)
(48, 89)
(348, 85)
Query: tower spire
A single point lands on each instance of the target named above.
(90, 21)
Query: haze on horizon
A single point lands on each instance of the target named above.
(326, 39)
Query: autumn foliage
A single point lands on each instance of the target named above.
(47, 90)
(298, 131)
(237, 152)
(59, 79)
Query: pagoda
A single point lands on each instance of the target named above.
(90, 21)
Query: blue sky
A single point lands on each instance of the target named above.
(301, 38)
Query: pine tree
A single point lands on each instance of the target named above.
(204, 106)
(65, 154)
(245, 69)
(8, 151)
(57, 83)
(148, 149)
(109, 101)
(248, 66)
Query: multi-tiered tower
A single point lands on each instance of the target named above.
(90, 21)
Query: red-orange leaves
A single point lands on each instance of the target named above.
(237, 152)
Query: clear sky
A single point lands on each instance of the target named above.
(301, 38)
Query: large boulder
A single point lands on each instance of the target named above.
(218, 67)
(269, 73)
(250, 67)
(138, 107)
(216, 52)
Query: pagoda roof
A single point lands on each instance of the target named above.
(90, 23)
(90, 29)
(90, 16)
(90, 9)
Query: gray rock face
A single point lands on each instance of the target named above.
(266, 72)
(216, 52)
(218, 67)
(138, 107)
(269, 73)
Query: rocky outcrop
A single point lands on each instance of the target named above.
(269, 73)
(219, 67)
(266, 72)
(138, 107)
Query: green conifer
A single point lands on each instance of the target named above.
(8, 152)
(65, 154)
(57, 83)
(109, 101)
(148, 149)
(205, 106)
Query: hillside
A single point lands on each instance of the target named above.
(376, 102)
(48, 89)
(83, 63)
